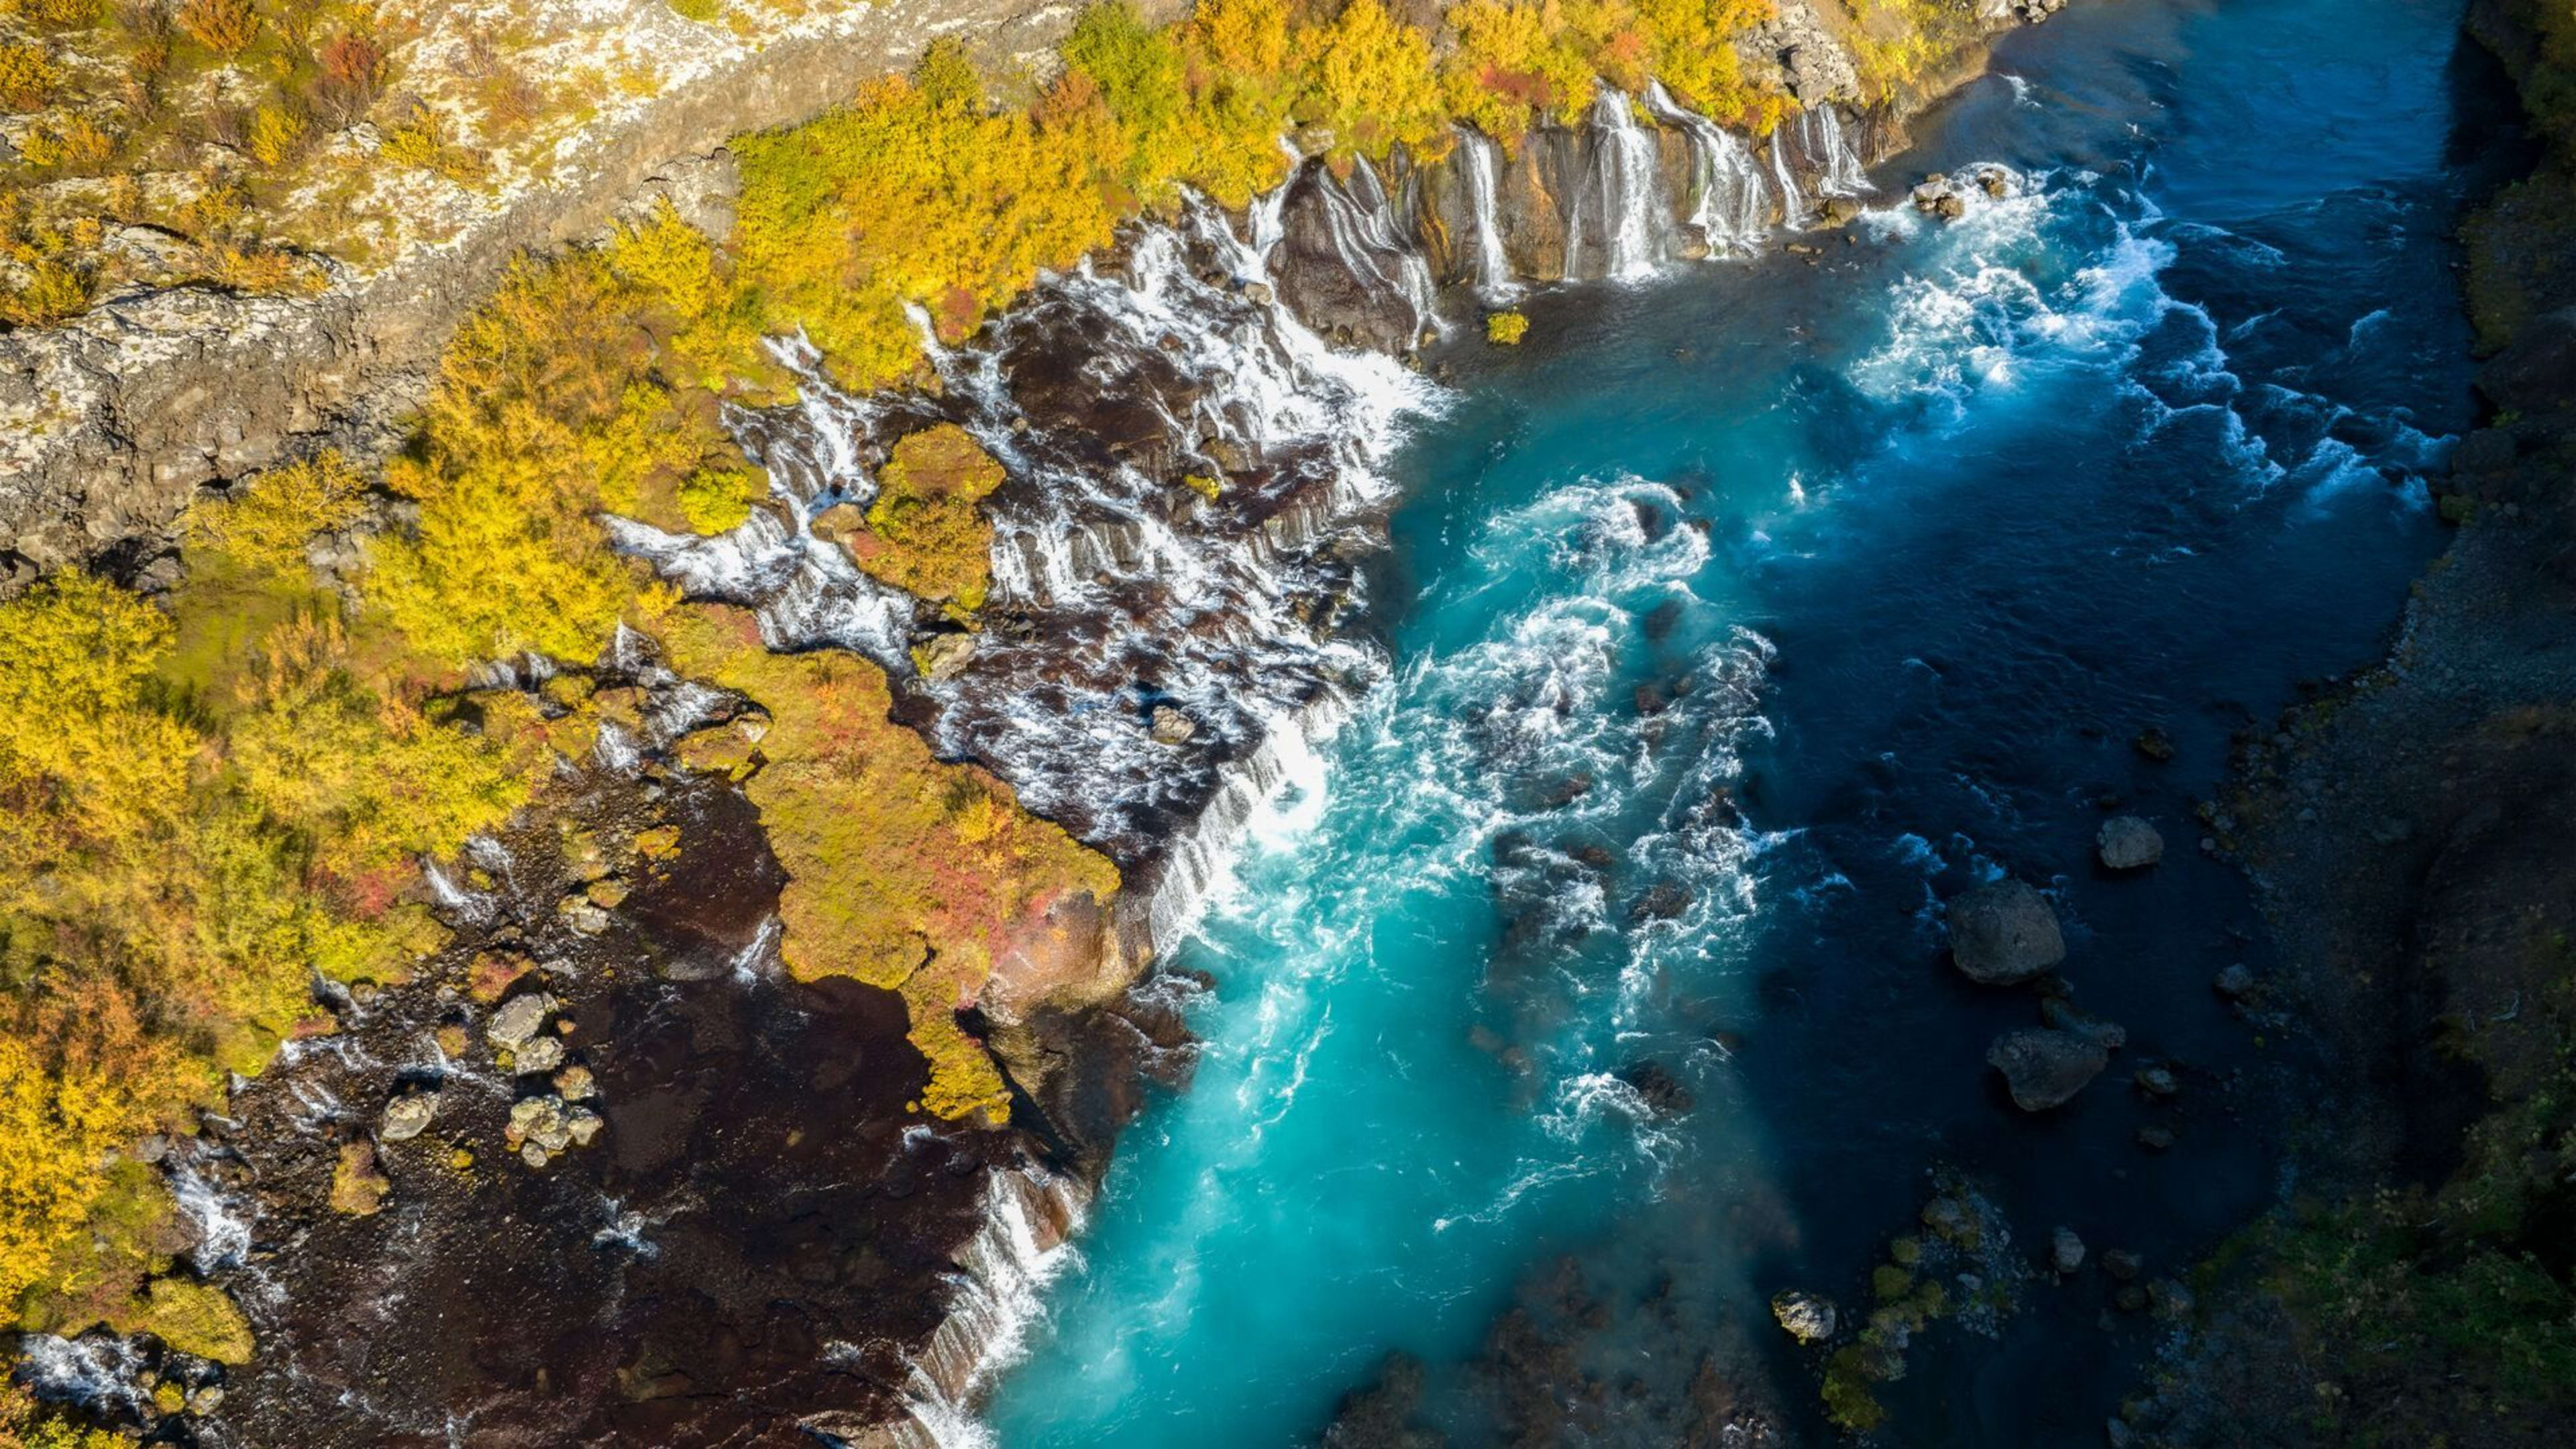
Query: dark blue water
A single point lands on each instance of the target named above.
(1739, 620)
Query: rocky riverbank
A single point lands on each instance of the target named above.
(2405, 832)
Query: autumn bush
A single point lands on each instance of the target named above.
(266, 522)
(27, 76)
(226, 27)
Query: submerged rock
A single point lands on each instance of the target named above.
(1657, 1087)
(2126, 842)
(1808, 1317)
(2235, 981)
(2045, 1067)
(2004, 933)
(2062, 1014)
(2065, 1251)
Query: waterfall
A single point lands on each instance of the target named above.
(1622, 198)
(1793, 202)
(1484, 191)
(1030, 1218)
(1199, 863)
(1824, 149)
(1828, 146)
(1731, 203)
(1117, 591)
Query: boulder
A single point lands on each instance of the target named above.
(2158, 1080)
(1808, 1317)
(2004, 933)
(2126, 842)
(520, 1018)
(2045, 1068)
(944, 656)
(1169, 726)
(407, 1117)
(540, 1054)
(2234, 981)
(2536, 372)
(1657, 1087)
(2065, 1251)
(2122, 1264)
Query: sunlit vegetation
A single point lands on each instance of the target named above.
(1506, 329)
(926, 534)
(578, 389)
(1898, 43)
(903, 872)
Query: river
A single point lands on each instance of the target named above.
(1738, 619)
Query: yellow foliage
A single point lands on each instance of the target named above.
(193, 1318)
(928, 537)
(1373, 86)
(1506, 328)
(1692, 43)
(670, 258)
(54, 14)
(26, 1425)
(27, 76)
(226, 27)
(73, 143)
(274, 130)
(54, 290)
(370, 779)
(56, 1126)
(422, 140)
(1515, 63)
(509, 553)
(265, 524)
(718, 500)
(914, 196)
(1898, 40)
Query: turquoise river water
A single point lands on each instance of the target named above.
(1737, 620)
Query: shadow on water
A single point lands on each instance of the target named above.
(1748, 617)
